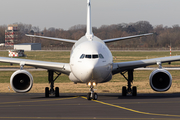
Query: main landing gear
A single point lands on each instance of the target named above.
(129, 90)
(92, 94)
(51, 81)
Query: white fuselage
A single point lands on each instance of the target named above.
(90, 61)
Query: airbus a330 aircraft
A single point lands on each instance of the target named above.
(91, 62)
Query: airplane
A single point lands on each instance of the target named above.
(91, 62)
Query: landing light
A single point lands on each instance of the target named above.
(91, 84)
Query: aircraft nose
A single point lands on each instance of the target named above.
(87, 72)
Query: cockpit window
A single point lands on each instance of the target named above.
(82, 56)
(94, 56)
(88, 56)
(101, 56)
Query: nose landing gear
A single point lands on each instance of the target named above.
(92, 95)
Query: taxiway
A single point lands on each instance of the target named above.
(75, 106)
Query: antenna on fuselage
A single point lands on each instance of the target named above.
(89, 33)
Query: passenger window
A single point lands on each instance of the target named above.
(94, 56)
(82, 56)
(101, 56)
(88, 56)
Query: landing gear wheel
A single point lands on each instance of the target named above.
(46, 92)
(94, 96)
(124, 91)
(134, 91)
(57, 92)
(51, 80)
(89, 96)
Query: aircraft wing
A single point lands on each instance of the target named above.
(52, 38)
(123, 66)
(125, 38)
(61, 67)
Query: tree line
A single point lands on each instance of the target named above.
(162, 38)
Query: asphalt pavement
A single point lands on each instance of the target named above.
(75, 106)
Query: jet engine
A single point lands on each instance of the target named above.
(21, 81)
(160, 80)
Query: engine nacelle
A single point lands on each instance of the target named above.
(160, 80)
(21, 81)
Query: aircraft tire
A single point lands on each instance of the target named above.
(134, 91)
(57, 92)
(124, 91)
(46, 92)
(94, 96)
(89, 96)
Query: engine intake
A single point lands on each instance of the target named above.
(21, 81)
(160, 80)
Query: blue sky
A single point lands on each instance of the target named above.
(66, 13)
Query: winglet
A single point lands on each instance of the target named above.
(89, 33)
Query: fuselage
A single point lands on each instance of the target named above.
(90, 61)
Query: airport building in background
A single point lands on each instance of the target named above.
(11, 35)
(27, 46)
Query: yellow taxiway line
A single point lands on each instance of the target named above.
(135, 111)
